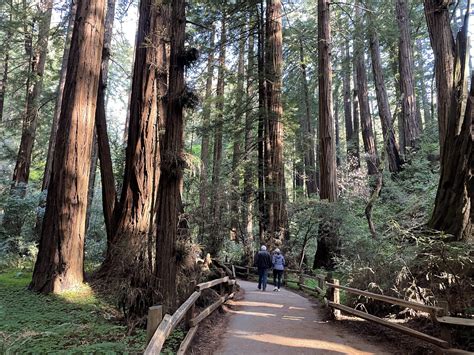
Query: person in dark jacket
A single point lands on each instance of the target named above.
(278, 262)
(263, 262)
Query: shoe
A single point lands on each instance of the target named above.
(278, 290)
(275, 289)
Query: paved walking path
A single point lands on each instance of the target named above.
(285, 323)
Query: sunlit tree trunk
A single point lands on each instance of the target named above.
(59, 265)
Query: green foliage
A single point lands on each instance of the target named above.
(78, 321)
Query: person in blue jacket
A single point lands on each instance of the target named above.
(278, 262)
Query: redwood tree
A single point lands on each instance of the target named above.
(59, 265)
(133, 214)
(410, 127)
(453, 211)
(327, 141)
(276, 191)
(172, 163)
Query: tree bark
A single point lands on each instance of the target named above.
(411, 129)
(247, 203)
(327, 143)
(109, 194)
(363, 94)
(278, 217)
(30, 121)
(355, 144)
(206, 118)
(172, 164)
(442, 41)
(59, 265)
(128, 246)
(390, 145)
(453, 211)
(262, 113)
(216, 195)
(6, 59)
(59, 100)
(311, 174)
(346, 87)
(237, 139)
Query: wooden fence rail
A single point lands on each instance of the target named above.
(159, 329)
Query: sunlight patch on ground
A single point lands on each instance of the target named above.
(300, 343)
(297, 308)
(256, 314)
(259, 304)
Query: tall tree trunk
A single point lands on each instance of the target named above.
(453, 211)
(442, 42)
(247, 203)
(278, 216)
(172, 164)
(6, 59)
(363, 93)
(237, 138)
(327, 142)
(59, 265)
(411, 129)
(30, 122)
(327, 156)
(311, 173)
(109, 194)
(355, 145)
(262, 114)
(216, 195)
(390, 145)
(59, 100)
(206, 118)
(336, 124)
(346, 87)
(37, 63)
(128, 246)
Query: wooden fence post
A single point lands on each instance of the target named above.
(233, 271)
(300, 281)
(248, 272)
(155, 315)
(333, 294)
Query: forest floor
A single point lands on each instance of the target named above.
(285, 322)
(81, 321)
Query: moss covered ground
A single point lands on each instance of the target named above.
(79, 321)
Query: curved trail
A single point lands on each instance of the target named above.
(285, 323)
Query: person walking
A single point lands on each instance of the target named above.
(278, 262)
(263, 262)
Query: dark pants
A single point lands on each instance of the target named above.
(277, 275)
(262, 278)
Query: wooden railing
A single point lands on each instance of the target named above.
(329, 288)
(159, 327)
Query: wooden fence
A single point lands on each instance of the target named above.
(159, 327)
(329, 288)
